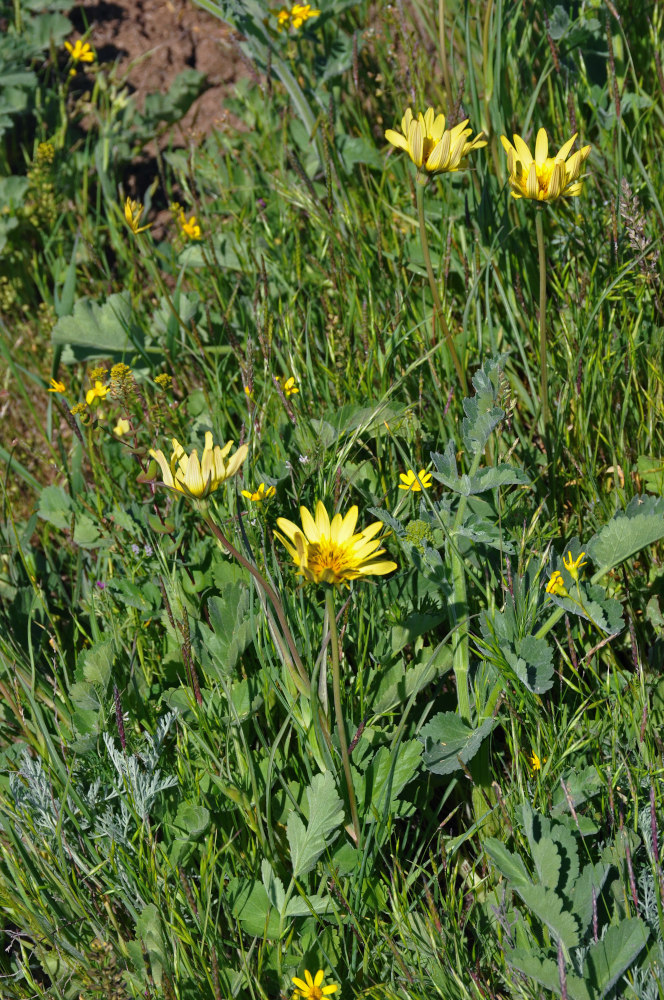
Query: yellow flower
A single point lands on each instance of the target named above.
(132, 212)
(288, 386)
(262, 493)
(190, 229)
(295, 16)
(311, 988)
(544, 178)
(122, 427)
(431, 146)
(535, 762)
(186, 474)
(56, 386)
(98, 391)
(327, 552)
(415, 483)
(80, 52)
(556, 585)
(574, 565)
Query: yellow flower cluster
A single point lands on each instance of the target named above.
(186, 474)
(295, 16)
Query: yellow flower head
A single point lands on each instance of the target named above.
(98, 391)
(186, 474)
(122, 427)
(80, 51)
(55, 386)
(431, 146)
(574, 565)
(535, 762)
(311, 988)
(544, 178)
(295, 16)
(288, 386)
(262, 493)
(415, 483)
(556, 585)
(190, 228)
(132, 212)
(331, 552)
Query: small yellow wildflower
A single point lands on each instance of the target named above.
(190, 228)
(574, 565)
(556, 585)
(98, 391)
(132, 212)
(122, 427)
(327, 551)
(544, 178)
(431, 146)
(164, 380)
(79, 410)
(415, 483)
(311, 988)
(288, 386)
(80, 51)
(262, 493)
(186, 474)
(535, 761)
(55, 386)
(296, 16)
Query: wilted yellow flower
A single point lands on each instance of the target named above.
(262, 493)
(431, 146)
(295, 16)
(80, 51)
(132, 212)
(288, 386)
(544, 178)
(122, 427)
(190, 228)
(98, 391)
(55, 386)
(556, 585)
(327, 552)
(574, 565)
(415, 483)
(186, 474)
(311, 988)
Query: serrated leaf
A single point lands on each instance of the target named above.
(325, 816)
(381, 777)
(92, 329)
(482, 412)
(251, 905)
(274, 887)
(448, 739)
(609, 958)
(531, 659)
(298, 907)
(148, 932)
(545, 971)
(549, 907)
(232, 626)
(86, 533)
(509, 865)
(98, 661)
(591, 878)
(55, 506)
(192, 819)
(627, 533)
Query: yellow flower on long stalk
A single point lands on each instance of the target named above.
(311, 987)
(431, 146)
(80, 51)
(544, 177)
(186, 474)
(327, 551)
(287, 385)
(133, 211)
(574, 565)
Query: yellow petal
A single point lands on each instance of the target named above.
(565, 149)
(541, 147)
(532, 184)
(309, 526)
(522, 152)
(416, 143)
(322, 520)
(396, 139)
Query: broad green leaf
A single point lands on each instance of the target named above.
(448, 739)
(325, 816)
(651, 472)
(97, 662)
(250, 904)
(549, 907)
(274, 887)
(609, 958)
(508, 864)
(381, 776)
(627, 533)
(148, 932)
(192, 818)
(545, 971)
(171, 105)
(591, 878)
(482, 412)
(55, 506)
(298, 907)
(531, 659)
(86, 533)
(232, 627)
(95, 329)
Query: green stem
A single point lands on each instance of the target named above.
(541, 249)
(438, 305)
(336, 689)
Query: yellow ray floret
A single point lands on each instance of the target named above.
(431, 146)
(544, 177)
(311, 987)
(327, 551)
(186, 474)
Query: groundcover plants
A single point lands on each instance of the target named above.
(331, 580)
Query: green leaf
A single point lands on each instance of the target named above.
(447, 738)
(508, 864)
(95, 329)
(325, 815)
(192, 818)
(171, 105)
(651, 472)
(55, 506)
(550, 909)
(591, 878)
(381, 776)
(97, 662)
(545, 971)
(627, 533)
(148, 932)
(233, 629)
(531, 659)
(250, 904)
(609, 958)
(299, 907)
(481, 482)
(274, 887)
(482, 412)
(86, 533)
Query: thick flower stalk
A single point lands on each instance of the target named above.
(433, 148)
(333, 552)
(544, 177)
(186, 474)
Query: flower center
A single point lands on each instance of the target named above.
(544, 175)
(327, 561)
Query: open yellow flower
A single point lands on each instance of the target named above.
(186, 474)
(98, 391)
(311, 988)
(431, 146)
(262, 493)
(190, 228)
(327, 551)
(295, 16)
(133, 211)
(288, 386)
(536, 762)
(56, 386)
(415, 483)
(80, 51)
(574, 565)
(544, 177)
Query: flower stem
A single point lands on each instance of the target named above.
(544, 385)
(336, 690)
(438, 305)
